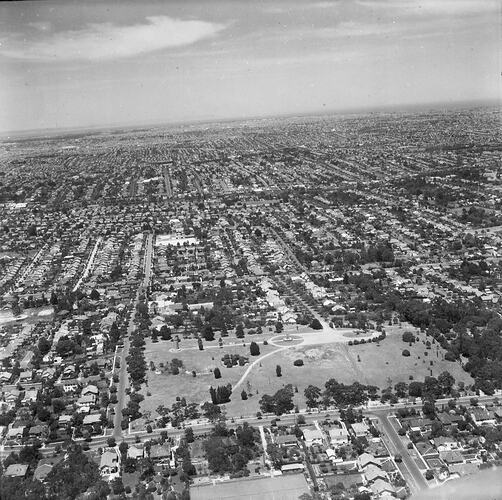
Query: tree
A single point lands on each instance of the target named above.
(44, 346)
(165, 333)
(211, 411)
(94, 295)
(239, 331)
(117, 486)
(401, 389)
(187, 466)
(267, 403)
(279, 327)
(281, 402)
(362, 496)
(278, 370)
(142, 309)
(223, 393)
(431, 388)
(408, 337)
(217, 373)
(429, 475)
(298, 362)
(154, 336)
(406, 353)
(254, 349)
(415, 389)
(429, 409)
(66, 347)
(244, 395)
(13, 488)
(111, 442)
(208, 333)
(114, 333)
(189, 436)
(312, 395)
(217, 455)
(123, 447)
(446, 382)
(75, 475)
(316, 324)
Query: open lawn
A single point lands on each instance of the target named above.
(377, 366)
(370, 364)
(164, 387)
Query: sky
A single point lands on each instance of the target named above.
(93, 63)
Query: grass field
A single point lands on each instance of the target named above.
(367, 363)
(377, 366)
(164, 388)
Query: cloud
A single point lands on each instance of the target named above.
(302, 6)
(433, 7)
(106, 41)
(357, 29)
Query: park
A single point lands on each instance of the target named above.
(324, 355)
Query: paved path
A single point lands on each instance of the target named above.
(253, 364)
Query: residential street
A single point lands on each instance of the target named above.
(123, 378)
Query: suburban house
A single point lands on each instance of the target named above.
(110, 462)
(360, 429)
(338, 436)
(135, 452)
(367, 459)
(373, 472)
(381, 487)
(286, 440)
(444, 443)
(312, 436)
(16, 470)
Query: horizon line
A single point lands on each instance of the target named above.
(69, 130)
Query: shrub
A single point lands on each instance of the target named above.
(405, 353)
(408, 337)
